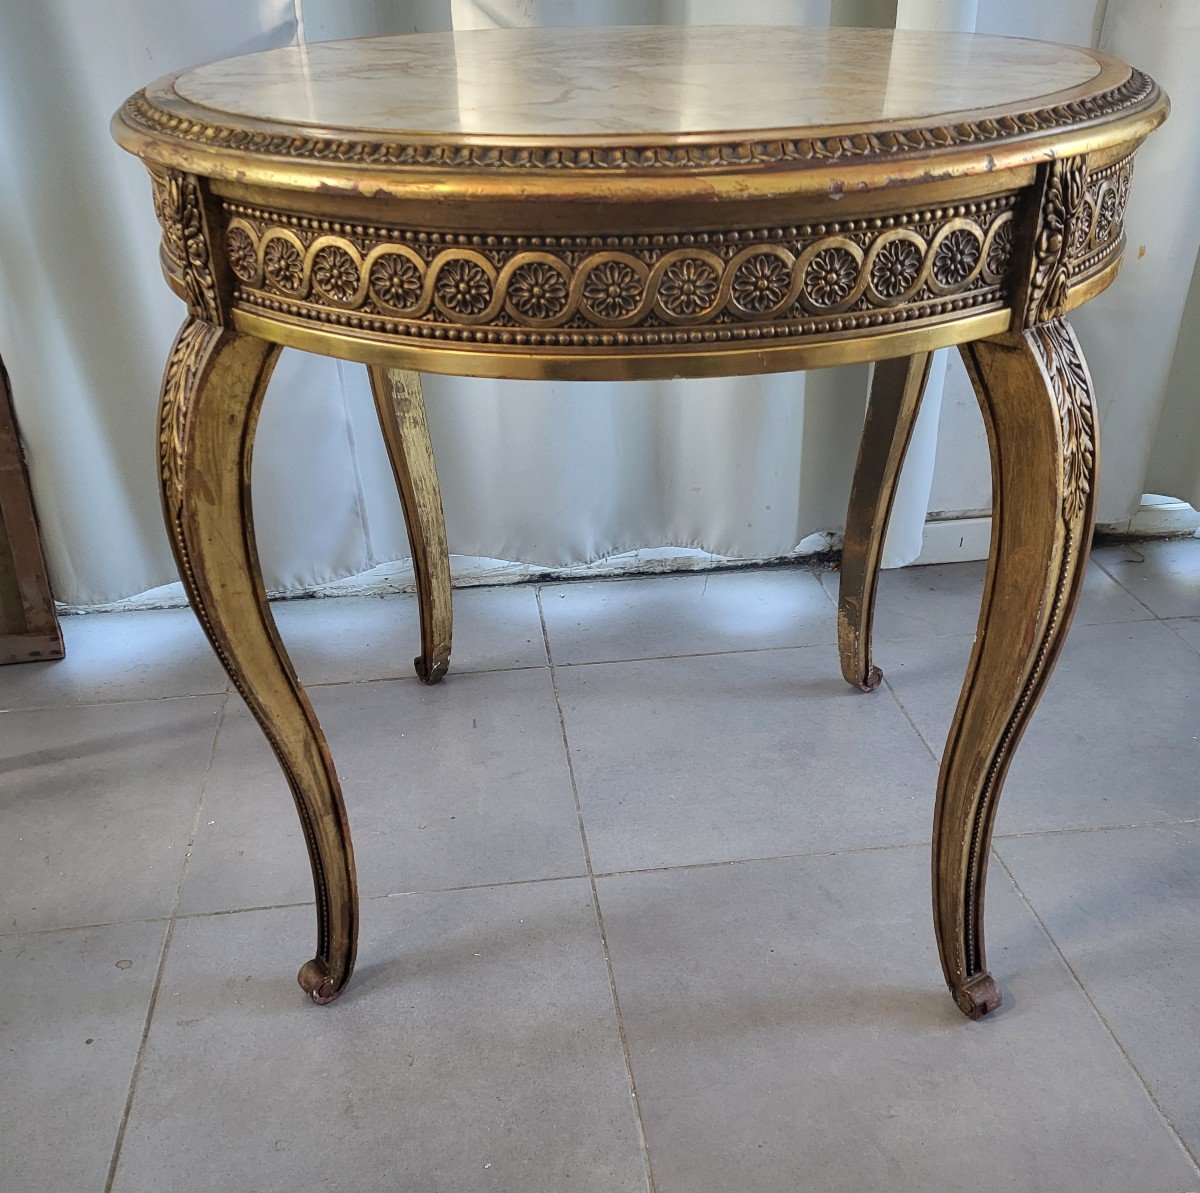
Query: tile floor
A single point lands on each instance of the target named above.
(645, 902)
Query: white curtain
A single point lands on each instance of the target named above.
(549, 474)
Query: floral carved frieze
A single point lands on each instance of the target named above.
(651, 288)
(1099, 220)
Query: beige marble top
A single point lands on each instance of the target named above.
(640, 80)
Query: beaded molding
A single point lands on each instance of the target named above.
(140, 112)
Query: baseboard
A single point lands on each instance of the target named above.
(1156, 517)
(955, 540)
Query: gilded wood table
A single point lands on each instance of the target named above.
(638, 203)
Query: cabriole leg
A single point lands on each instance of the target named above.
(1039, 410)
(401, 407)
(212, 392)
(895, 398)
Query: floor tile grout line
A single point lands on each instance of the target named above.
(427, 890)
(829, 595)
(705, 654)
(537, 601)
(478, 886)
(119, 1142)
(401, 678)
(1095, 828)
(887, 683)
(119, 703)
(1092, 558)
(1098, 1013)
(148, 919)
(537, 586)
(695, 654)
(629, 872)
(488, 886)
(597, 910)
(1166, 621)
(750, 861)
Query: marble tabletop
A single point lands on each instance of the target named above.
(638, 80)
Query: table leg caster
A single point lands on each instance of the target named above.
(873, 680)
(978, 996)
(317, 982)
(431, 671)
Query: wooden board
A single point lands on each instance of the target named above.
(29, 627)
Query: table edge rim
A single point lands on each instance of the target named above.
(184, 135)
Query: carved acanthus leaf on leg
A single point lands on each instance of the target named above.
(1058, 351)
(212, 390)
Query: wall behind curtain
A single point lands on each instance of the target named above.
(549, 474)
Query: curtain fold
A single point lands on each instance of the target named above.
(1131, 332)
(550, 474)
(85, 322)
(1157, 304)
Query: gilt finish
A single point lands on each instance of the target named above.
(211, 395)
(639, 203)
(892, 405)
(624, 291)
(1044, 459)
(400, 404)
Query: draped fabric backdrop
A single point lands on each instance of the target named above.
(549, 474)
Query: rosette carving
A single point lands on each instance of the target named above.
(761, 282)
(830, 277)
(396, 281)
(896, 267)
(335, 273)
(612, 290)
(537, 290)
(688, 287)
(283, 264)
(956, 257)
(658, 288)
(999, 253)
(463, 287)
(243, 257)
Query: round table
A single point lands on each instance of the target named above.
(648, 202)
